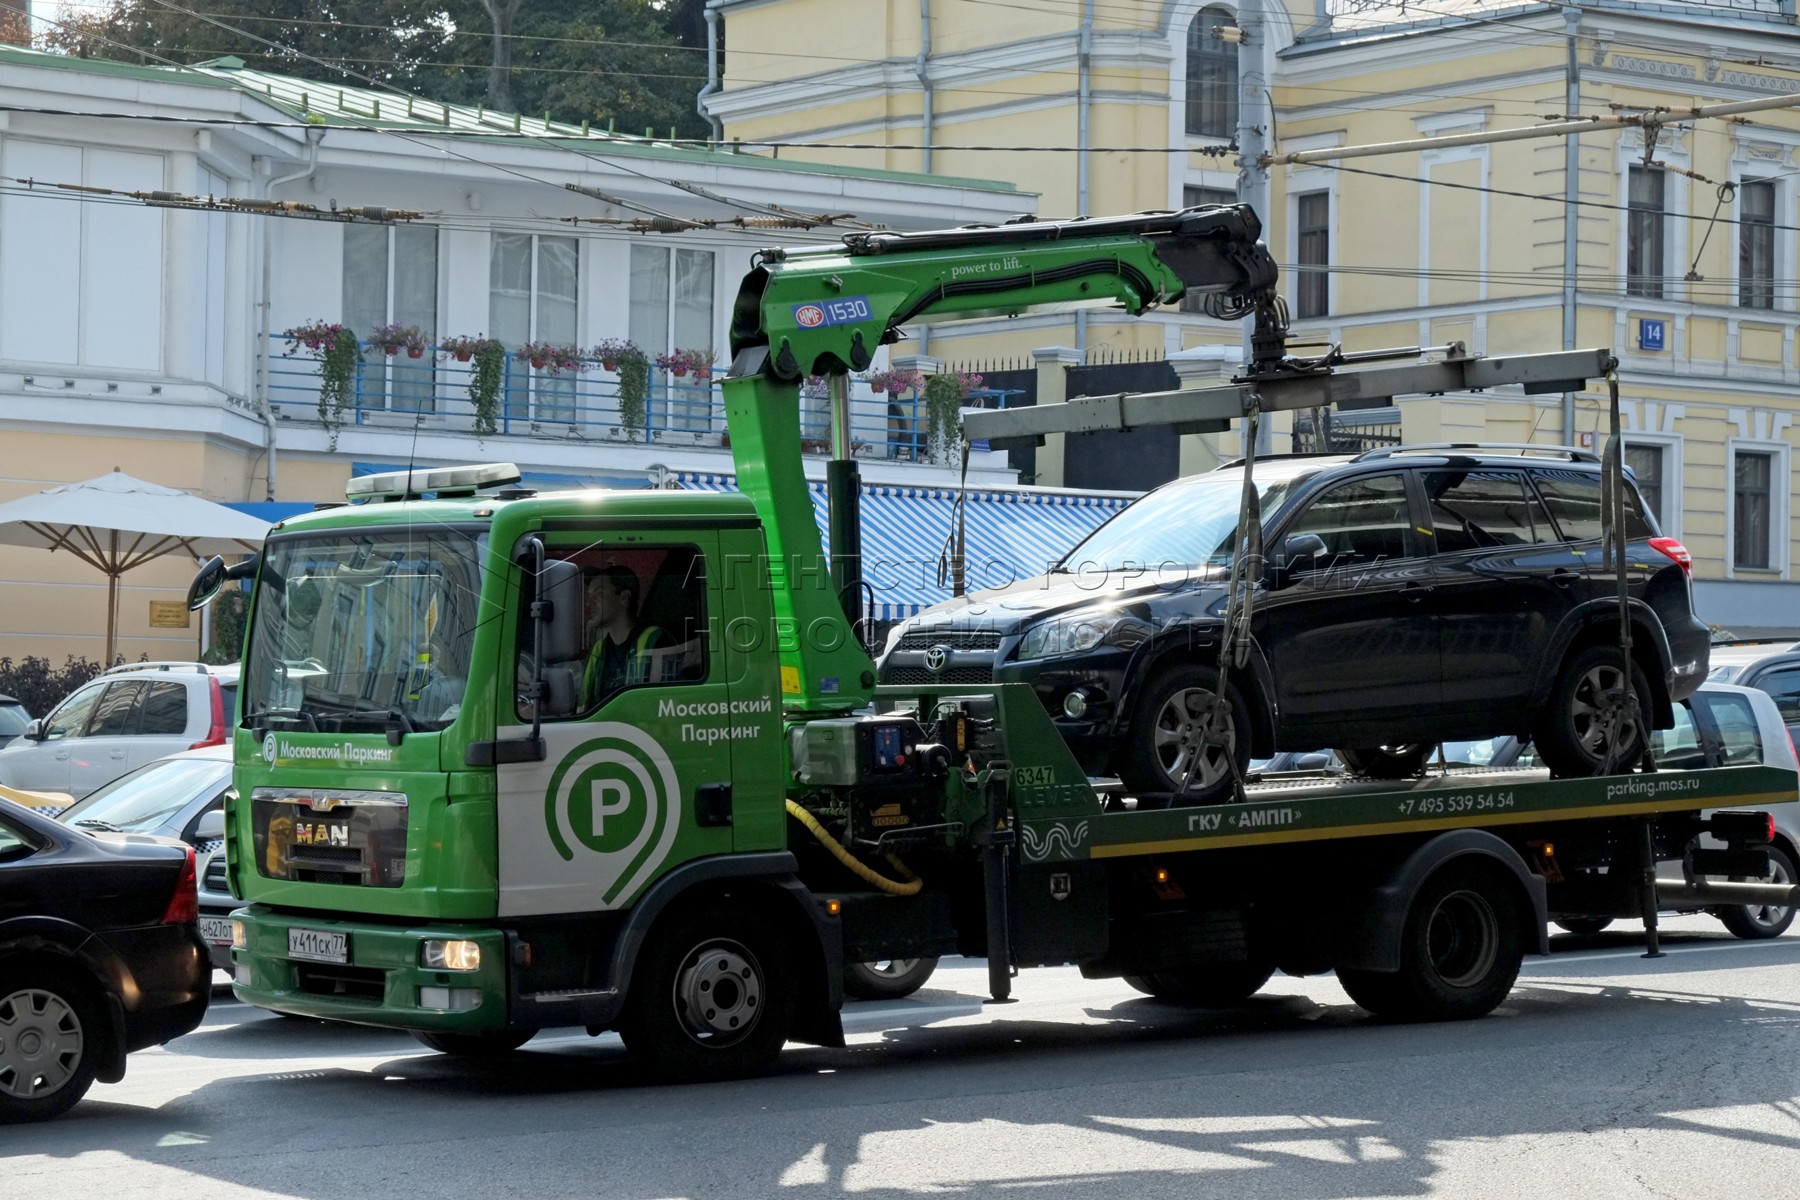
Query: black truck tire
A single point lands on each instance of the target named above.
(1165, 730)
(1568, 738)
(1758, 921)
(888, 978)
(1218, 986)
(712, 997)
(52, 1039)
(1386, 762)
(1460, 951)
(475, 1045)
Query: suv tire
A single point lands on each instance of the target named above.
(1386, 762)
(1567, 736)
(1758, 921)
(1166, 727)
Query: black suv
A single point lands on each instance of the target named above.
(1411, 595)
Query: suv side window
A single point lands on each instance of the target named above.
(1574, 500)
(1362, 521)
(1473, 509)
(165, 710)
(1738, 734)
(1784, 685)
(16, 843)
(1679, 748)
(71, 719)
(117, 714)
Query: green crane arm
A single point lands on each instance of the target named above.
(824, 311)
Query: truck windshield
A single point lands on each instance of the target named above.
(363, 631)
(1189, 523)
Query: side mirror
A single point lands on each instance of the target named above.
(34, 732)
(211, 825)
(209, 582)
(560, 587)
(1298, 552)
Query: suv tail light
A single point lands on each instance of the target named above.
(215, 736)
(184, 905)
(1672, 549)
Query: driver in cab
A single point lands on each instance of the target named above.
(619, 647)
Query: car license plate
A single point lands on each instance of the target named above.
(216, 930)
(318, 945)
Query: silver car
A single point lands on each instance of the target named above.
(181, 796)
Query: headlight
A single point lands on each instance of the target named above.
(893, 639)
(455, 954)
(1077, 634)
(239, 939)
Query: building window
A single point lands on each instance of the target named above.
(1644, 233)
(1756, 243)
(1313, 229)
(672, 309)
(532, 297)
(1646, 463)
(1193, 197)
(1212, 77)
(1752, 473)
(391, 277)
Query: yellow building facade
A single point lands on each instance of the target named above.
(1680, 251)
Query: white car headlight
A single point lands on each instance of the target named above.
(1078, 634)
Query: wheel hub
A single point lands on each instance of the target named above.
(40, 1043)
(1463, 938)
(718, 993)
(1192, 744)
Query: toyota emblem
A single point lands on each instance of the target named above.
(937, 658)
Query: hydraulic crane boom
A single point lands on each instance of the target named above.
(824, 311)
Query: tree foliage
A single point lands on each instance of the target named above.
(634, 64)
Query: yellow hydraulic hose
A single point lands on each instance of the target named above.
(874, 878)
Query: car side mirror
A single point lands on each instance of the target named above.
(212, 577)
(560, 586)
(34, 732)
(211, 826)
(1297, 552)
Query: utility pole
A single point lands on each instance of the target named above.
(1253, 144)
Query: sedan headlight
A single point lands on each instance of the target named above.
(1078, 634)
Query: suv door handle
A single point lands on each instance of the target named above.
(1416, 592)
(1562, 577)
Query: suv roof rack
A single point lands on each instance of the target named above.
(1522, 449)
(1263, 458)
(198, 668)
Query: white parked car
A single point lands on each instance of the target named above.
(119, 721)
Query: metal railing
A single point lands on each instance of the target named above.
(390, 389)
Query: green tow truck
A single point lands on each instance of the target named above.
(616, 760)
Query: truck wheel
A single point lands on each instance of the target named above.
(1386, 762)
(711, 998)
(1757, 921)
(475, 1045)
(52, 1037)
(1167, 743)
(1584, 924)
(1569, 737)
(1460, 951)
(887, 979)
(1217, 986)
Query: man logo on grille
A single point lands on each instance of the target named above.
(612, 800)
(937, 658)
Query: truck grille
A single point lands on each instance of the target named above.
(955, 639)
(355, 838)
(342, 982)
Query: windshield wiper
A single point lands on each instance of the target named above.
(96, 823)
(297, 714)
(396, 715)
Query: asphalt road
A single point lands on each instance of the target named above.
(1605, 1075)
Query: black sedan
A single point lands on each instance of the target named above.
(99, 956)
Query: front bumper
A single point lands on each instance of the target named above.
(380, 982)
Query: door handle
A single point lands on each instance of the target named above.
(1562, 577)
(120, 753)
(1416, 592)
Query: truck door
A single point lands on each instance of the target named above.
(635, 728)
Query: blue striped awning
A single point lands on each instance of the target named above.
(1011, 535)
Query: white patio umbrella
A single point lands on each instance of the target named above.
(116, 522)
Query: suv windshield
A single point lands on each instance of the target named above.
(363, 631)
(149, 796)
(1189, 523)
